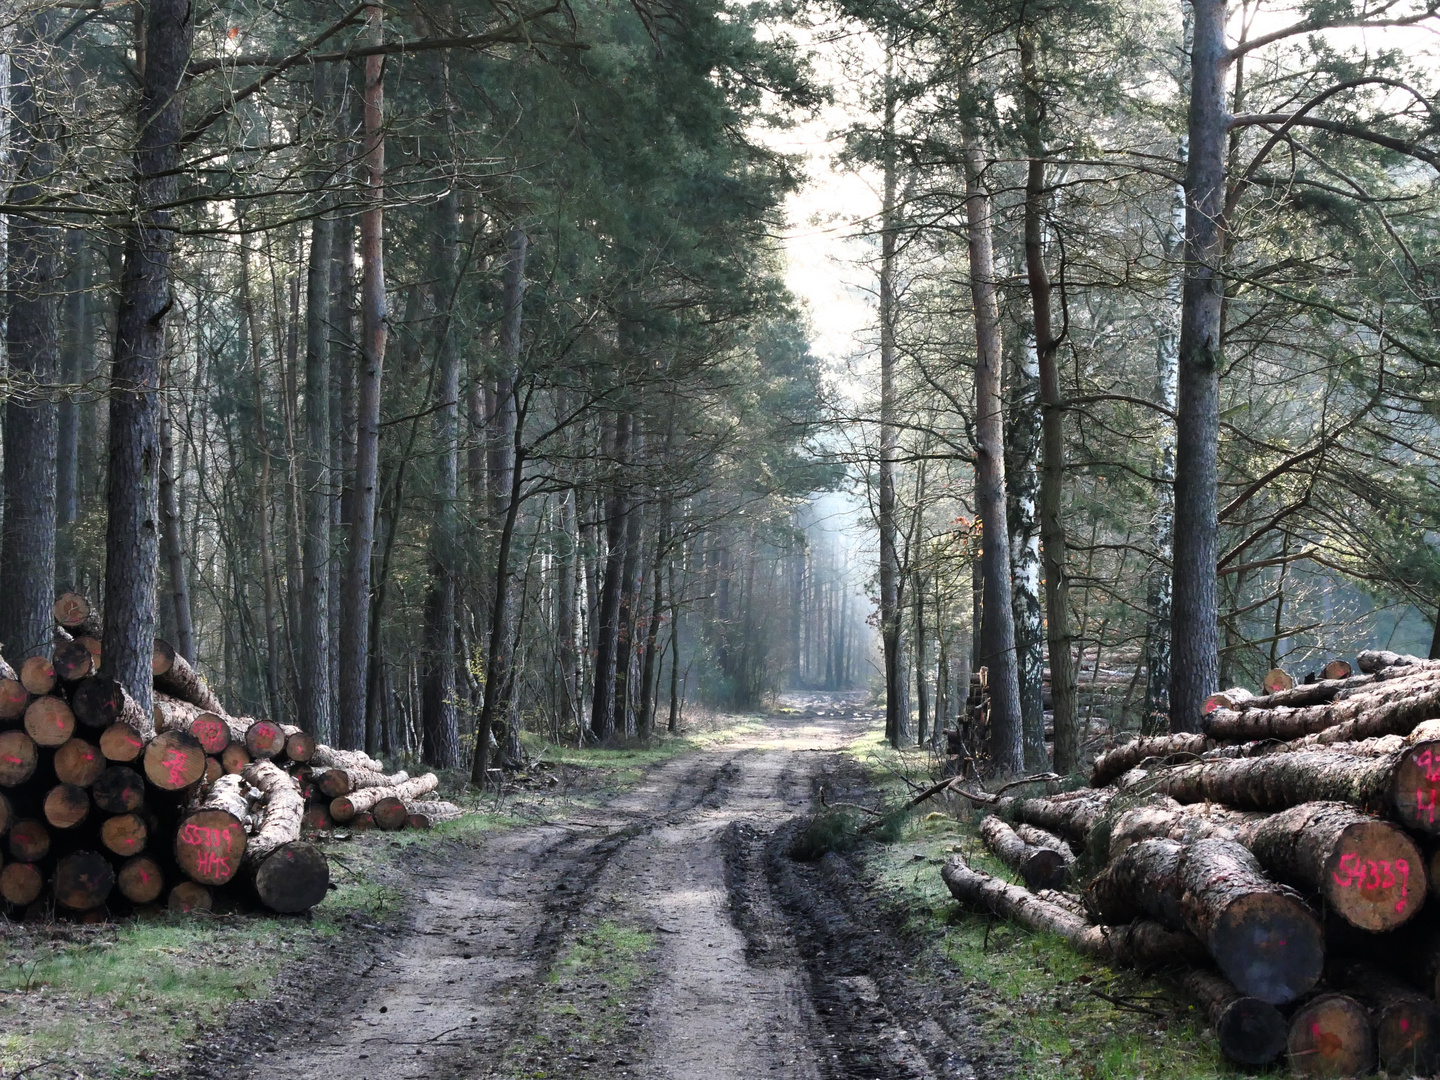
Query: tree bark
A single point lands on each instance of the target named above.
(602, 716)
(1040, 867)
(1195, 593)
(173, 540)
(1280, 781)
(1250, 1031)
(76, 347)
(131, 535)
(1007, 754)
(355, 599)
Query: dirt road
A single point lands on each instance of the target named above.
(665, 935)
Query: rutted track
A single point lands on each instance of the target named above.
(753, 971)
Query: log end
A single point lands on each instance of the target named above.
(174, 761)
(66, 805)
(212, 731)
(18, 758)
(49, 721)
(234, 758)
(1331, 1037)
(209, 846)
(83, 880)
(389, 815)
(1269, 945)
(293, 878)
(72, 661)
(264, 739)
(124, 834)
(1374, 877)
(317, 818)
(29, 840)
(1415, 788)
(20, 883)
(1251, 1031)
(188, 898)
(140, 880)
(1043, 868)
(300, 746)
(121, 742)
(13, 699)
(119, 790)
(37, 674)
(79, 762)
(1407, 1037)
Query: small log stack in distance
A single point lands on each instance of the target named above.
(104, 809)
(1283, 849)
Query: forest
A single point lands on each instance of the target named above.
(430, 370)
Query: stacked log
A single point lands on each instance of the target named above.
(1286, 843)
(104, 809)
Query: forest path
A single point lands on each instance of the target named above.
(642, 939)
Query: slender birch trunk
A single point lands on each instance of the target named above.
(1023, 433)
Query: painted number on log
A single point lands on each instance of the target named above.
(174, 766)
(215, 847)
(1369, 875)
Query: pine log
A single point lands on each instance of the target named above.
(1336, 669)
(83, 880)
(214, 730)
(124, 834)
(1140, 944)
(78, 762)
(14, 699)
(389, 814)
(91, 642)
(1390, 709)
(211, 842)
(140, 880)
(37, 675)
(1263, 939)
(74, 614)
(299, 745)
(1407, 1023)
(1039, 867)
(417, 821)
(49, 721)
(330, 758)
(1277, 679)
(1367, 870)
(190, 898)
(264, 739)
(361, 822)
(66, 806)
(435, 811)
(283, 809)
(1250, 1031)
(174, 676)
(1166, 749)
(316, 818)
(334, 783)
(121, 743)
(1278, 781)
(294, 877)
(19, 757)
(20, 883)
(1036, 837)
(1331, 1036)
(213, 769)
(1372, 660)
(72, 661)
(1072, 814)
(174, 760)
(359, 802)
(120, 790)
(100, 701)
(29, 840)
(235, 758)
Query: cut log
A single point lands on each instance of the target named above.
(299, 745)
(1263, 939)
(418, 821)
(124, 834)
(1277, 679)
(29, 840)
(21, 883)
(140, 880)
(332, 783)
(1336, 669)
(83, 880)
(18, 758)
(1140, 944)
(214, 730)
(49, 721)
(121, 743)
(235, 758)
(1372, 660)
(436, 811)
(389, 815)
(316, 818)
(1038, 867)
(72, 661)
(213, 769)
(74, 614)
(1390, 709)
(190, 898)
(1163, 749)
(330, 758)
(211, 842)
(14, 699)
(1250, 1031)
(361, 822)
(174, 760)
(1279, 781)
(1416, 784)
(66, 806)
(78, 762)
(119, 790)
(264, 739)
(100, 701)
(37, 675)
(292, 878)
(174, 676)
(1071, 815)
(1331, 1037)
(359, 802)
(1226, 699)
(91, 642)
(283, 809)
(1407, 1023)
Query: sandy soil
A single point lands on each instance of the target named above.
(739, 963)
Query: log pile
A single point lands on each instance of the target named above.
(104, 810)
(1283, 850)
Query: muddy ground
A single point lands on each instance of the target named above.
(666, 934)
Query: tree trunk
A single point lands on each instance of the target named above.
(27, 569)
(565, 622)
(998, 645)
(355, 598)
(1040, 867)
(76, 347)
(602, 716)
(629, 602)
(173, 540)
(1195, 605)
(440, 718)
(342, 429)
(1052, 423)
(131, 540)
(1023, 434)
(317, 707)
(1264, 940)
